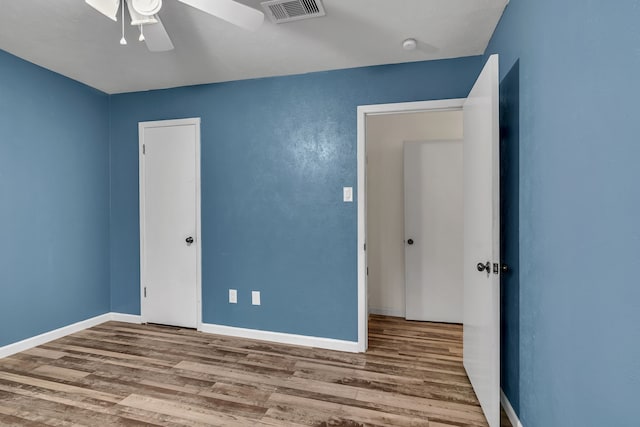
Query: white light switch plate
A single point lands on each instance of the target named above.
(233, 296)
(347, 194)
(255, 297)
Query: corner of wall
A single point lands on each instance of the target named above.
(110, 207)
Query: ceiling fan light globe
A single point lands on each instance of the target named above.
(147, 7)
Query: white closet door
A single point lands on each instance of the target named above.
(433, 230)
(169, 223)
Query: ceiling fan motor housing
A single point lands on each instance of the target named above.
(147, 7)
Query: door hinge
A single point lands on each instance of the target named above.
(145, 291)
(367, 271)
(365, 246)
(144, 150)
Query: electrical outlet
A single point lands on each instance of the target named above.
(255, 297)
(233, 296)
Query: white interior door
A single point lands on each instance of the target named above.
(169, 203)
(433, 210)
(482, 240)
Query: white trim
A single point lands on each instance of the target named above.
(393, 312)
(363, 112)
(412, 107)
(363, 317)
(278, 337)
(508, 409)
(46, 337)
(198, 231)
(281, 338)
(126, 318)
(196, 121)
(166, 123)
(43, 338)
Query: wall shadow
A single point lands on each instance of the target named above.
(510, 234)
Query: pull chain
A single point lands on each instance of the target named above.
(123, 41)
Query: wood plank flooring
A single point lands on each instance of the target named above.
(128, 375)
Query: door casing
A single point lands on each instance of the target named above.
(198, 238)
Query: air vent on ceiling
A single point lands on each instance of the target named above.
(292, 10)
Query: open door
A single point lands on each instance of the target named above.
(482, 240)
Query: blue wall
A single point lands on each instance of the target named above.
(276, 153)
(54, 200)
(579, 296)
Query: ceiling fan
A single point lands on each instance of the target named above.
(144, 14)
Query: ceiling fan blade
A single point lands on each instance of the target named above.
(231, 11)
(156, 37)
(108, 8)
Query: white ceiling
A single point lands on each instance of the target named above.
(71, 38)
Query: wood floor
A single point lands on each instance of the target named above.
(123, 374)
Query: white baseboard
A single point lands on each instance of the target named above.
(279, 337)
(393, 312)
(28, 343)
(282, 338)
(127, 318)
(508, 409)
(44, 338)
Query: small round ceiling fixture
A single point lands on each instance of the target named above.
(147, 7)
(409, 44)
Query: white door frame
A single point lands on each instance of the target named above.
(363, 112)
(198, 243)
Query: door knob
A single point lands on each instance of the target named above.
(484, 267)
(189, 240)
(410, 241)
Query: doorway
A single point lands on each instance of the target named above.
(414, 215)
(482, 265)
(170, 244)
(436, 112)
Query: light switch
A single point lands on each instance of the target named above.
(233, 296)
(347, 194)
(255, 297)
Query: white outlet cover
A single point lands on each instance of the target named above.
(233, 296)
(347, 194)
(255, 297)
